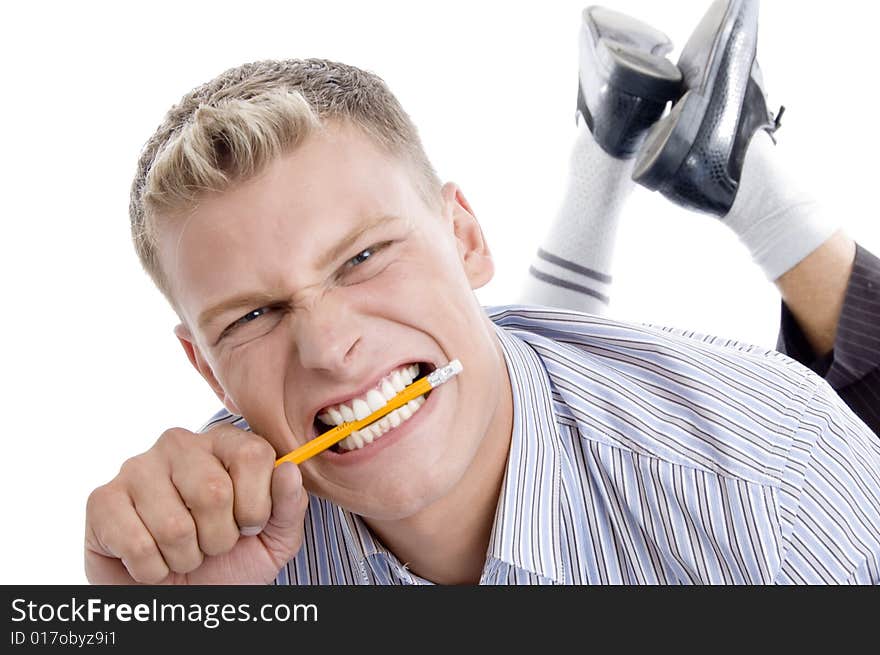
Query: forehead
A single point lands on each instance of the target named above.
(285, 217)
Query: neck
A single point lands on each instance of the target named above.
(447, 541)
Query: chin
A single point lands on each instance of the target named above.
(407, 497)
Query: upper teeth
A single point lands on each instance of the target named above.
(362, 406)
(374, 400)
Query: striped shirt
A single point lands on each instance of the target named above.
(853, 367)
(644, 455)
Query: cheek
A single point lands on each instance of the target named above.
(427, 280)
(248, 372)
(399, 299)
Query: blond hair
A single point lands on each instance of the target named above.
(229, 129)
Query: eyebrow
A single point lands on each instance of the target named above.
(351, 238)
(241, 301)
(259, 299)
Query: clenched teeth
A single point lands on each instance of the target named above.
(374, 400)
(364, 436)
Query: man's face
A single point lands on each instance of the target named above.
(306, 287)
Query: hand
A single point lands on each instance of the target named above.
(196, 509)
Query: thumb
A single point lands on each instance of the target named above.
(283, 533)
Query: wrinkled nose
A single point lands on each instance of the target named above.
(327, 337)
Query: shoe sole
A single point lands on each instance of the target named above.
(671, 139)
(630, 55)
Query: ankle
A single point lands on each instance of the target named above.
(774, 216)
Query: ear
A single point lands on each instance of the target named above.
(184, 336)
(472, 247)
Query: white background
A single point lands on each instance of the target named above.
(91, 372)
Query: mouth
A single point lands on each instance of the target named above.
(360, 406)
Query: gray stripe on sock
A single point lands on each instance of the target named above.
(565, 284)
(571, 266)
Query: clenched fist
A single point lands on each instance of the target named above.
(196, 509)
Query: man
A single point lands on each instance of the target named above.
(830, 286)
(288, 213)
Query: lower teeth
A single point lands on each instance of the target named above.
(365, 436)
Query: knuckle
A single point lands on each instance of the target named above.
(256, 451)
(132, 467)
(175, 433)
(100, 498)
(225, 429)
(174, 437)
(139, 550)
(214, 491)
(174, 529)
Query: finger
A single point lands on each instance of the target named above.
(165, 515)
(114, 529)
(250, 461)
(206, 489)
(101, 569)
(283, 533)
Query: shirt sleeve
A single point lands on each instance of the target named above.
(853, 366)
(830, 498)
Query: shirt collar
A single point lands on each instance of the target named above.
(526, 533)
(527, 529)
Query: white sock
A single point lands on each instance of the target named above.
(572, 269)
(777, 220)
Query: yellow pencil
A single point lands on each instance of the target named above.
(321, 443)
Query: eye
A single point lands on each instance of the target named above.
(363, 256)
(249, 323)
(250, 316)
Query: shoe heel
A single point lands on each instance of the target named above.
(668, 143)
(630, 55)
(620, 28)
(630, 82)
(656, 160)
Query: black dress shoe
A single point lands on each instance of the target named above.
(694, 156)
(625, 79)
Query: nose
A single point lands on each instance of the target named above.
(327, 336)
